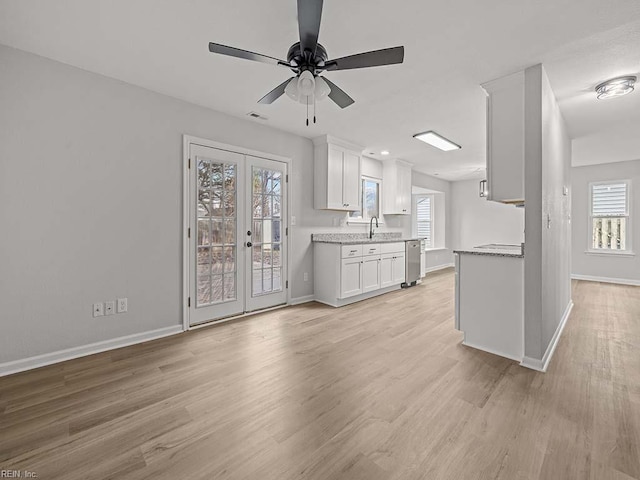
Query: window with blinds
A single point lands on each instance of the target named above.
(424, 213)
(609, 215)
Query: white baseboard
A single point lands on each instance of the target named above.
(30, 363)
(439, 267)
(494, 352)
(300, 300)
(621, 281)
(542, 365)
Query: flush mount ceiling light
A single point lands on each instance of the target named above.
(438, 141)
(616, 87)
(384, 152)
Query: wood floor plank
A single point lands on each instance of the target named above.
(380, 389)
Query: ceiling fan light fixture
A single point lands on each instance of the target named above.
(292, 89)
(321, 89)
(306, 84)
(616, 87)
(438, 141)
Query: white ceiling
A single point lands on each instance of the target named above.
(450, 49)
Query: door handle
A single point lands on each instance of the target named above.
(249, 244)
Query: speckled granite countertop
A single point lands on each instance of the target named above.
(497, 251)
(357, 238)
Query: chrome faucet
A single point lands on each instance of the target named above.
(371, 225)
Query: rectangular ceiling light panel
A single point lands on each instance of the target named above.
(438, 141)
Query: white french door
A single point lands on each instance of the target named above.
(265, 237)
(237, 247)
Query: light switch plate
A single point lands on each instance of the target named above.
(98, 310)
(109, 307)
(293, 220)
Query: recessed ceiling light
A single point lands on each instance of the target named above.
(384, 152)
(616, 87)
(438, 141)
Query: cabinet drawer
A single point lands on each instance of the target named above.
(371, 249)
(349, 251)
(394, 247)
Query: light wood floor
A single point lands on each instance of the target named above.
(379, 390)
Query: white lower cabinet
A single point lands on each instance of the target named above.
(370, 273)
(351, 277)
(347, 273)
(399, 269)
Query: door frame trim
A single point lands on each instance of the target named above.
(187, 141)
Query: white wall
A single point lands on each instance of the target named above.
(442, 206)
(547, 212)
(477, 221)
(91, 203)
(626, 269)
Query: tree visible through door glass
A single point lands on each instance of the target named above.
(216, 227)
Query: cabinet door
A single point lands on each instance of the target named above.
(351, 277)
(351, 183)
(386, 271)
(404, 190)
(370, 273)
(335, 178)
(398, 269)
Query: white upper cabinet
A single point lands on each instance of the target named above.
(337, 173)
(396, 187)
(505, 138)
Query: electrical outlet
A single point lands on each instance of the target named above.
(305, 276)
(109, 307)
(122, 305)
(98, 310)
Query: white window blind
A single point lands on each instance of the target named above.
(609, 200)
(423, 218)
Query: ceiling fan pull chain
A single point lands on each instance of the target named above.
(314, 109)
(307, 111)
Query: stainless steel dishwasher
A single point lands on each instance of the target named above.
(412, 265)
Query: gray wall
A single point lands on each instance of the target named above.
(477, 221)
(91, 202)
(604, 266)
(547, 213)
(436, 258)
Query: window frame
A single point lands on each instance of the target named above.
(364, 219)
(628, 251)
(417, 198)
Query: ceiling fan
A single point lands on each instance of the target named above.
(308, 59)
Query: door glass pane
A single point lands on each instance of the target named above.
(204, 261)
(229, 286)
(276, 261)
(266, 212)
(216, 260)
(216, 232)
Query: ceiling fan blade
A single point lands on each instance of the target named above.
(276, 93)
(309, 15)
(377, 58)
(245, 54)
(337, 95)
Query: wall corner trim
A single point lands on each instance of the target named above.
(45, 359)
(543, 364)
(620, 281)
(301, 300)
(440, 267)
